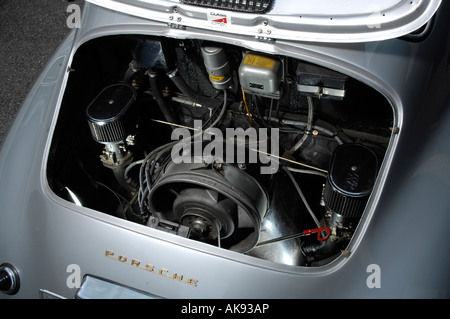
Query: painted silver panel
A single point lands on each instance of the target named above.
(42, 235)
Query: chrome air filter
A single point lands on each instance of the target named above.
(105, 113)
(350, 180)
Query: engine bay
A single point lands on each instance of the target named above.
(266, 155)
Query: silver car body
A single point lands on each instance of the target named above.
(402, 236)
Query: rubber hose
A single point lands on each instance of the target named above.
(186, 90)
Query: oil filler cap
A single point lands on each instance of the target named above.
(9, 279)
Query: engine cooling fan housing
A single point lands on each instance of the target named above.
(220, 205)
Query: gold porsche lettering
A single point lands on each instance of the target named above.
(151, 268)
(135, 262)
(163, 272)
(177, 277)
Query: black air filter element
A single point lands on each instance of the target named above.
(250, 6)
(350, 180)
(105, 113)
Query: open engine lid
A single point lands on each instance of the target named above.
(336, 21)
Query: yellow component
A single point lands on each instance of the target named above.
(216, 78)
(259, 61)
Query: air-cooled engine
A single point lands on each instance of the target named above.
(266, 155)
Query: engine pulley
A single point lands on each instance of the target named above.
(216, 204)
